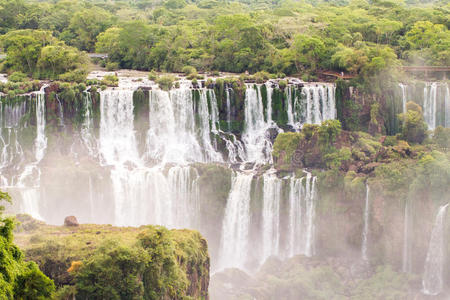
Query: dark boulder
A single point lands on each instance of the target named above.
(71, 221)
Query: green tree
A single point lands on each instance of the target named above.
(18, 279)
(23, 48)
(414, 127)
(85, 25)
(307, 52)
(113, 272)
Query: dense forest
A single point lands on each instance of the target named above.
(363, 38)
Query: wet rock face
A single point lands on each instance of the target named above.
(71, 221)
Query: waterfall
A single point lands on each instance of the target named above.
(29, 179)
(447, 106)
(432, 281)
(174, 134)
(365, 234)
(60, 112)
(255, 137)
(406, 262)
(313, 105)
(403, 88)
(228, 96)
(143, 195)
(271, 215)
(87, 134)
(11, 152)
(429, 105)
(117, 138)
(236, 221)
(302, 202)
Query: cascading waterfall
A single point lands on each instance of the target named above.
(153, 181)
(271, 215)
(302, 203)
(11, 114)
(429, 104)
(433, 280)
(404, 97)
(29, 180)
(235, 228)
(447, 106)
(258, 147)
(142, 195)
(406, 261)
(365, 234)
(174, 135)
(228, 99)
(87, 134)
(313, 105)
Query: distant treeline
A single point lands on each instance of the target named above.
(359, 37)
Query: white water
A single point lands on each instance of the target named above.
(29, 180)
(302, 203)
(313, 105)
(234, 246)
(143, 195)
(432, 281)
(429, 104)
(228, 99)
(174, 135)
(87, 133)
(404, 97)
(271, 215)
(365, 234)
(447, 106)
(11, 153)
(257, 144)
(406, 261)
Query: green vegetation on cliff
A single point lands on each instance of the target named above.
(105, 262)
(18, 279)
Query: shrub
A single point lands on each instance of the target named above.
(113, 272)
(414, 128)
(442, 137)
(166, 82)
(390, 141)
(261, 76)
(282, 84)
(17, 77)
(78, 75)
(188, 70)
(286, 142)
(112, 66)
(110, 80)
(328, 131)
(152, 76)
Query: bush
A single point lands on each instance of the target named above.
(166, 82)
(390, 141)
(262, 76)
(328, 131)
(188, 70)
(110, 80)
(78, 75)
(442, 137)
(112, 66)
(113, 272)
(414, 127)
(152, 76)
(17, 77)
